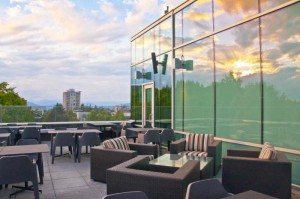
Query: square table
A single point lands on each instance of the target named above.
(178, 160)
(250, 195)
(28, 149)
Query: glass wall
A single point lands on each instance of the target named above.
(237, 61)
(281, 75)
(238, 79)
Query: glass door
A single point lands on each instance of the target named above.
(148, 105)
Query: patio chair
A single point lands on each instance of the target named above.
(87, 139)
(206, 189)
(31, 133)
(127, 195)
(16, 169)
(245, 170)
(33, 158)
(155, 181)
(61, 140)
(151, 136)
(12, 136)
(103, 158)
(117, 130)
(199, 145)
(167, 136)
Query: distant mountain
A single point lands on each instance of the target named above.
(32, 104)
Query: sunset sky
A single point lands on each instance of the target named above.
(49, 46)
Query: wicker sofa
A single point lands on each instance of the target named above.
(157, 182)
(214, 149)
(102, 158)
(243, 170)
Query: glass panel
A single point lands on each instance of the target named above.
(148, 44)
(198, 88)
(178, 95)
(165, 94)
(156, 40)
(139, 46)
(267, 4)
(133, 52)
(147, 72)
(148, 109)
(228, 12)
(165, 40)
(281, 70)
(132, 88)
(197, 20)
(178, 29)
(238, 83)
(137, 87)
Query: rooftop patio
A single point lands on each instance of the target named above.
(68, 180)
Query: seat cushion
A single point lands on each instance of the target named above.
(268, 152)
(195, 153)
(198, 142)
(117, 143)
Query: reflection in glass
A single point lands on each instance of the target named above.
(281, 75)
(238, 83)
(178, 29)
(132, 52)
(198, 87)
(267, 4)
(229, 12)
(149, 43)
(197, 20)
(139, 46)
(165, 39)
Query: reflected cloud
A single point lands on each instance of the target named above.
(194, 15)
(237, 6)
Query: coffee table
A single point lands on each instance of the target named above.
(174, 160)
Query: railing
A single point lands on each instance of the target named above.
(19, 114)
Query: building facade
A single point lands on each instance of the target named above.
(71, 99)
(233, 70)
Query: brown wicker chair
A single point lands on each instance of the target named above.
(214, 150)
(157, 182)
(102, 159)
(243, 171)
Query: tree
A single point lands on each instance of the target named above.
(119, 116)
(99, 115)
(57, 113)
(8, 96)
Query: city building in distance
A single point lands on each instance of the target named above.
(71, 99)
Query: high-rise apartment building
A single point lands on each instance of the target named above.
(71, 99)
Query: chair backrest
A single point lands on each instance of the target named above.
(117, 129)
(64, 139)
(206, 189)
(15, 169)
(31, 133)
(90, 138)
(5, 130)
(167, 135)
(152, 136)
(127, 195)
(11, 124)
(60, 128)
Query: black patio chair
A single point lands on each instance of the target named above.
(87, 139)
(61, 140)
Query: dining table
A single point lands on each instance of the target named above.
(26, 150)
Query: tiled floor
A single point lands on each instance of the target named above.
(64, 180)
(68, 180)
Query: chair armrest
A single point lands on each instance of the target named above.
(271, 177)
(177, 146)
(215, 150)
(102, 159)
(144, 149)
(243, 153)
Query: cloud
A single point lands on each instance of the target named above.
(237, 7)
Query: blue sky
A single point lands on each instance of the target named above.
(49, 46)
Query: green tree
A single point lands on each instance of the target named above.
(119, 116)
(8, 96)
(57, 113)
(100, 114)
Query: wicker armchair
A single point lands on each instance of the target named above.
(157, 182)
(214, 150)
(102, 158)
(243, 170)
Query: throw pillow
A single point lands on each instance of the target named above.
(117, 143)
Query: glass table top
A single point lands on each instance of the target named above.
(174, 160)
